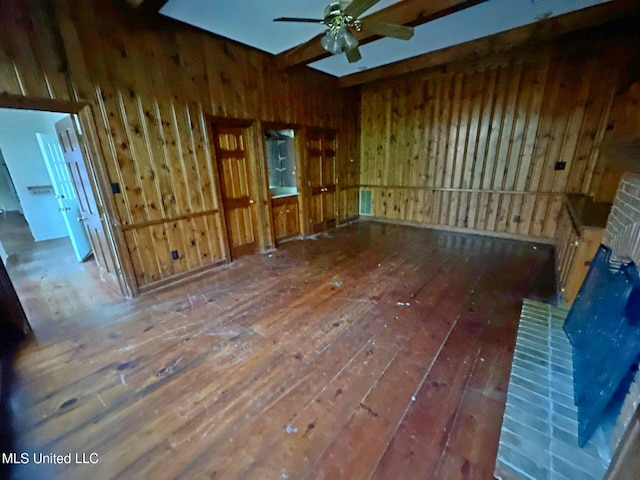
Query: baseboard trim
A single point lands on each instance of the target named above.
(180, 278)
(348, 221)
(467, 231)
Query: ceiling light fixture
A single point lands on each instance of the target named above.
(339, 40)
(342, 19)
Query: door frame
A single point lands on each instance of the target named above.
(99, 180)
(49, 162)
(259, 183)
(298, 145)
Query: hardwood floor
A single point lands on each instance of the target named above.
(50, 282)
(374, 351)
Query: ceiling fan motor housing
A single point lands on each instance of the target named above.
(335, 18)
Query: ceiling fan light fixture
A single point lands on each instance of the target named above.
(347, 40)
(341, 18)
(331, 43)
(338, 40)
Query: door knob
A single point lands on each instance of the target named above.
(82, 219)
(251, 202)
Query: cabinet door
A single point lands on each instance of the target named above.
(292, 220)
(279, 221)
(285, 218)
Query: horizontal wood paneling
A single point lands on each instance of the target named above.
(477, 149)
(153, 85)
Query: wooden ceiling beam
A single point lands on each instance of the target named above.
(408, 12)
(147, 6)
(538, 32)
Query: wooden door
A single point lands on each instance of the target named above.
(330, 205)
(70, 141)
(314, 176)
(65, 194)
(321, 173)
(235, 185)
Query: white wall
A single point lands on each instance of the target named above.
(8, 202)
(22, 155)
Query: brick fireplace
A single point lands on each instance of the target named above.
(623, 236)
(539, 438)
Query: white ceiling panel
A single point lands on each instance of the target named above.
(251, 22)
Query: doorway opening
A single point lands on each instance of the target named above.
(45, 231)
(281, 162)
(282, 166)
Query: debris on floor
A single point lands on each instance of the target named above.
(290, 430)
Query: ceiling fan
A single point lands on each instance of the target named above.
(342, 19)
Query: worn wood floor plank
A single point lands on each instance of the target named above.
(298, 364)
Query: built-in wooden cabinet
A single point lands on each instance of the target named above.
(579, 234)
(321, 175)
(286, 223)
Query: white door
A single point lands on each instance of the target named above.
(5, 177)
(66, 194)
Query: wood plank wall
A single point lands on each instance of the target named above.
(153, 86)
(475, 146)
(624, 129)
(348, 167)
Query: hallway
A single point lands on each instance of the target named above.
(50, 282)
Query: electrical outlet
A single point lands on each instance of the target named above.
(560, 165)
(175, 255)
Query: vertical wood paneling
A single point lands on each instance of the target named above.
(623, 124)
(154, 85)
(481, 145)
(348, 170)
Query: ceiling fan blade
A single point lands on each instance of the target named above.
(353, 55)
(358, 7)
(294, 19)
(388, 30)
